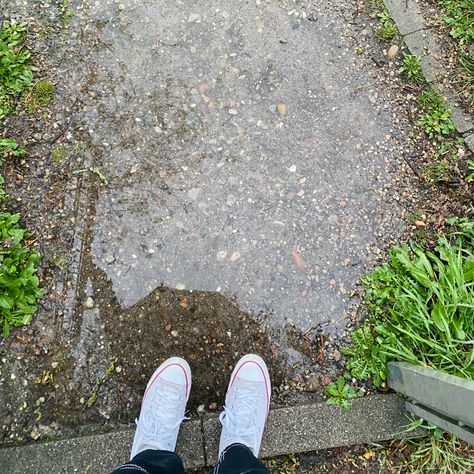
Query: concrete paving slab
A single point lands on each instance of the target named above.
(95, 454)
(470, 141)
(321, 426)
(461, 119)
(424, 44)
(406, 14)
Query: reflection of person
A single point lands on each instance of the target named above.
(163, 407)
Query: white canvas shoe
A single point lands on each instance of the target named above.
(163, 407)
(246, 404)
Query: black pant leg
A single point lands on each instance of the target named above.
(238, 459)
(152, 461)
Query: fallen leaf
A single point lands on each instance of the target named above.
(369, 454)
(23, 339)
(184, 303)
(298, 259)
(168, 327)
(282, 109)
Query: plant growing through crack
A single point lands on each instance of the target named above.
(341, 393)
(411, 68)
(388, 29)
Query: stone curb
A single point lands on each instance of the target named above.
(421, 41)
(289, 430)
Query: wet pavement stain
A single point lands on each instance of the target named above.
(241, 158)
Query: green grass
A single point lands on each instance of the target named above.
(438, 452)
(341, 393)
(459, 16)
(421, 306)
(411, 68)
(16, 70)
(388, 29)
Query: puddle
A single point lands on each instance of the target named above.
(241, 158)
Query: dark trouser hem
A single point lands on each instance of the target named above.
(238, 459)
(152, 461)
(235, 459)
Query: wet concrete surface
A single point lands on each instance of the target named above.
(242, 153)
(235, 174)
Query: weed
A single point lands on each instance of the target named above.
(58, 154)
(95, 171)
(470, 167)
(430, 99)
(59, 261)
(388, 29)
(98, 383)
(365, 357)
(411, 68)
(39, 96)
(10, 148)
(16, 71)
(437, 171)
(436, 122)
(438, 452)
(285, 464)
(19, 285)
(421, 306)
(66, 13)
(459, 15)
(340, 393)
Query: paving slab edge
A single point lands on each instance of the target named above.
(295, 429)
(418, 36)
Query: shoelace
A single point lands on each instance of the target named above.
(240, 422)
(163, 416)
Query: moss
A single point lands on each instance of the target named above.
(59, 154)
(39, 96)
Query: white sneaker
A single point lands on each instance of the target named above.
(163, 407)
(246, 404)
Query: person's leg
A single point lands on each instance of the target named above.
(238, 459)
(152, 461)
(162, 412)
(243, 420)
